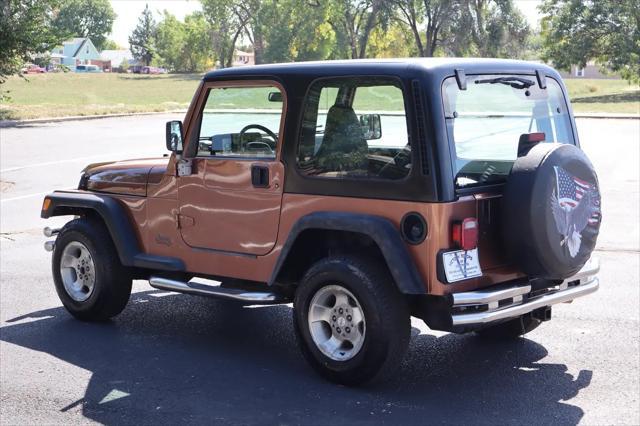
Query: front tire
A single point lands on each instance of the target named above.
(352, 324)
(89, 278)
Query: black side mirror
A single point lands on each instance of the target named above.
(371, 126)
(275, 97)
(174, 136)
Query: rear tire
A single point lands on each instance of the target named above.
(89, 278)
(359, 295)
(511, 329)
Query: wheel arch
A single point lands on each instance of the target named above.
(116, 219)
(319, 234)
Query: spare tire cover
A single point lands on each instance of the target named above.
(551, 211)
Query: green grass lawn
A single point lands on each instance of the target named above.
(58, 95)
(611, 96)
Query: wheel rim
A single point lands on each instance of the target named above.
(77, 271)
(336, 322)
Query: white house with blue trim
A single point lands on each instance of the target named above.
(79, 50)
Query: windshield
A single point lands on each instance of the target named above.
(496, 118)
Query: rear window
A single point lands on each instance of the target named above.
(494, 116)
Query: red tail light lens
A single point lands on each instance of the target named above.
(536, 137)
(465, 234)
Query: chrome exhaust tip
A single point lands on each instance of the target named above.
(50, 232)
(49, 245)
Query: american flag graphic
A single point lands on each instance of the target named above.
(570, 191)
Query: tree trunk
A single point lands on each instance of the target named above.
(258, 46)
(371, 20)
(419, 45)
(430, 46)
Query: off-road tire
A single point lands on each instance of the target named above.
(384, 309)
(112, 286)
(511, 329)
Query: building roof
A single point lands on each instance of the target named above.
(84, 41)
(117, 57)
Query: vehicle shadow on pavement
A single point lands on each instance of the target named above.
(172, 359)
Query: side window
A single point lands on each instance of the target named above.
(355, 128)
(241, 122)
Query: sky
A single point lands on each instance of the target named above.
(129, 11)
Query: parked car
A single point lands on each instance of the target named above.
(88, 68)
(364, 192)
(152, 70)
(33, 69)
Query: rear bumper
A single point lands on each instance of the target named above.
(476, 309)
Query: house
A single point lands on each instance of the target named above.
(117, 59)
(241, 59)
(76, 51)
(591, 70)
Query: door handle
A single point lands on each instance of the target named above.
(260, 176)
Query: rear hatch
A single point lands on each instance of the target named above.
(490, 123)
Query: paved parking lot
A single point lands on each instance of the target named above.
(172, 358)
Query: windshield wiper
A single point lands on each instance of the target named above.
(515, 82)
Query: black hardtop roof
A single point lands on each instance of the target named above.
(437, 67)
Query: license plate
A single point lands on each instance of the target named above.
(461, 265)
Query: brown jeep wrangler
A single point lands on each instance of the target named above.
(364, 192)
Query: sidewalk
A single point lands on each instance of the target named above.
(17, 123)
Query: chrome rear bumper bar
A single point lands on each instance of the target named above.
(493, 305)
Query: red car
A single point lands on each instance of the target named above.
(33, 69)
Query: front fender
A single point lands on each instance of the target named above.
(116, 219)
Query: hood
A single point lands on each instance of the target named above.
(123, 177)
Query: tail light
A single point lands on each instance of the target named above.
(465, 234)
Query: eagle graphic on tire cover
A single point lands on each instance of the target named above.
(575, 205)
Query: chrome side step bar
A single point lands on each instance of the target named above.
(252, 297)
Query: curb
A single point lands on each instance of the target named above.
(603, 115)
(18, 123)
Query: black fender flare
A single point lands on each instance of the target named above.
(116, 219)
(379, 229)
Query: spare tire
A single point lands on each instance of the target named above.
(551, 211)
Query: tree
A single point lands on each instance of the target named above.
(169, 42)
(353, 21)
(111, 45)
(394, 42)
(497, 28)
(142, 38)
(494, 28)
(227, 22)
(436, 15)
(197, 48)
(25, 30)
(290, 30)
(607, 31)
(86, 18)
(183, 46)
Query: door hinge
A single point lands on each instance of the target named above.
(184, 167)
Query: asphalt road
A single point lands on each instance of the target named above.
(173, 358)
